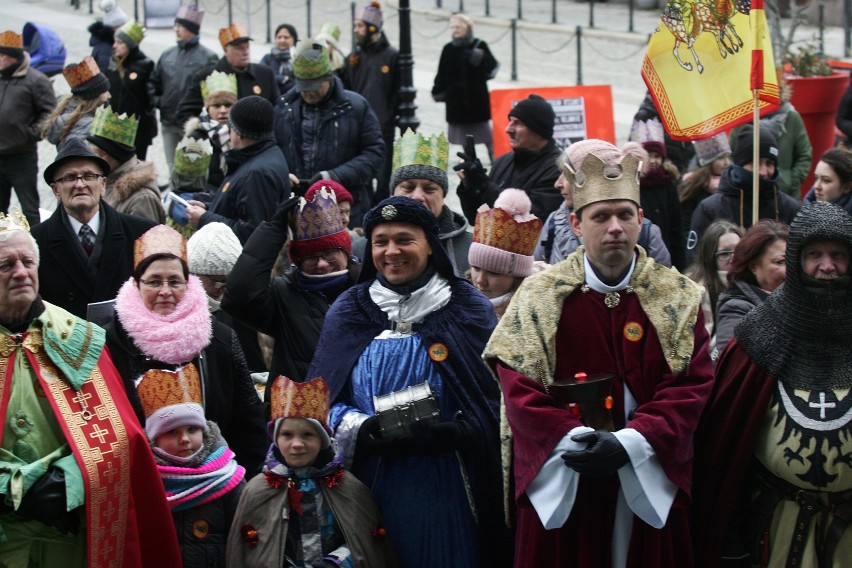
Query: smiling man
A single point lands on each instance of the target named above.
(778, 428)
(589, 493)
(411, 321)
(84, 265)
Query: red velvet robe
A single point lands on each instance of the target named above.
(622, 341)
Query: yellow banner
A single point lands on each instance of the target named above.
(698, 67)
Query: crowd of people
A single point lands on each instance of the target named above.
(298, 354)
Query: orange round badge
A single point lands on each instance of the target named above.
(633, 331)
(200, 528)
(385, 69)
(256, 89)
(133, 76)
(438, 352)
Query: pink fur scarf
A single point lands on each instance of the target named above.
(174, 338)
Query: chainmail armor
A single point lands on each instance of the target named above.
(801, 335)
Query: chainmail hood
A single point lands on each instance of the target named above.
(801, 334)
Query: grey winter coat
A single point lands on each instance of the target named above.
(132, 188)
(173, 73)
(26, 98)
(734, 303)
(80, 129)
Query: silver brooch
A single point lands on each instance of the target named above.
(388, 212)
(612, 299)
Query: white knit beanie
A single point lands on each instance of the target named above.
(213, 250)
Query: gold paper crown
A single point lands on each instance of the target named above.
(414, 149)
(317, 218)
(156, 240)
(218, 81)
(118, 128)
(160, 388)
(232, 33)
(78, 73)
(290, 399)
(11, 39)
(595, 181)
(133, 31)
(497, 228)
(14, 222)
(192, 157)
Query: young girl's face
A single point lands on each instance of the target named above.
(298, 441)
(182, 442)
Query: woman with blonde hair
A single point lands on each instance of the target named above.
(73, 115)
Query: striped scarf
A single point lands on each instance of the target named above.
(188, 487)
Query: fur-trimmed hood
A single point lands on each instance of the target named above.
(131, 177)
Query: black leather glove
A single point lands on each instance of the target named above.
(475, 177)
(602, 457)
(434, 438)
(45, 502)
(281, 218)
(370, 441)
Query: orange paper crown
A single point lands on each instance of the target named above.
(290, 399)
(496, 228)
(160, 388)
(156, 240)
(11, 39)
(232, 33)
(77, 74)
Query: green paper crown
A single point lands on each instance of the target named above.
(218, 81)
(331, 29)
(192, 157)
(312, 60)
(414, 149)
(133, 30)
(118, 128)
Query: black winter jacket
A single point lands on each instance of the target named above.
(203, 530)
(372, 72)
(173, 75)
(661, 206)
(134, 94)
(292, 316)
(101, 42)
(462, 84)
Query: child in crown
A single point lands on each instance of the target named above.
(306, 510)
(200, 474)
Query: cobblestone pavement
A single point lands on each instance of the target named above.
(546, 53)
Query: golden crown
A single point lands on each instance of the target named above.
(232, 33)
(192, 157)
(11, 39)
(116, 127)
(160, 388)
(289, 399)
(156, 240)
(317, 218)
(497, 228)
(15, 221)
(218, 81)
(414, 149)
(78, 73)
(596, 181)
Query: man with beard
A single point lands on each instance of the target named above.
(252, 78)
(733, 200)
(531, 165)
(371, 71)
(773, 474)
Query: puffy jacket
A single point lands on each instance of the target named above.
(173, 73)
(258, 179)
(132, 188)
(133, 94)
(372, 71)
(342, 138)
(101, 42)
(734, 303)
(202, 531)
(26, 99)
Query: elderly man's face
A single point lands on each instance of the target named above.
(522, 137)
(80, 198)
(18, 277)
(238, 55)
(6, 60)
(400, 252)
(825, 260)
(425, 191)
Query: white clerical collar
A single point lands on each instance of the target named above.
(597, 285)
(94, 223)
(414, 307)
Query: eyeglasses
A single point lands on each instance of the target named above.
(71, 179)
(156, 284)
(329, 256)
(724, 255)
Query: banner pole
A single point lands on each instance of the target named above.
(755, 164)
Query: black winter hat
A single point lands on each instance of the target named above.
(119, 151)
(537, 114)
(744, 149)
(251, 117)
(93, 88)
(74, 148)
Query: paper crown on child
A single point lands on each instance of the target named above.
(710, 149)
(233, 33)
(192, 156)
(318, 226)
(219, 82)
(11, 40)
(170, 399)
(158, 240)
(131, 33)
(505, 237)
(308, 400)
(593, 180)
(116, 127)
(85, 78)
(15, 221)
(651, 134)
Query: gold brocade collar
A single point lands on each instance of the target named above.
(30, 340)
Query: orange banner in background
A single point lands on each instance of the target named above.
(699, 66)
(581, 112)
